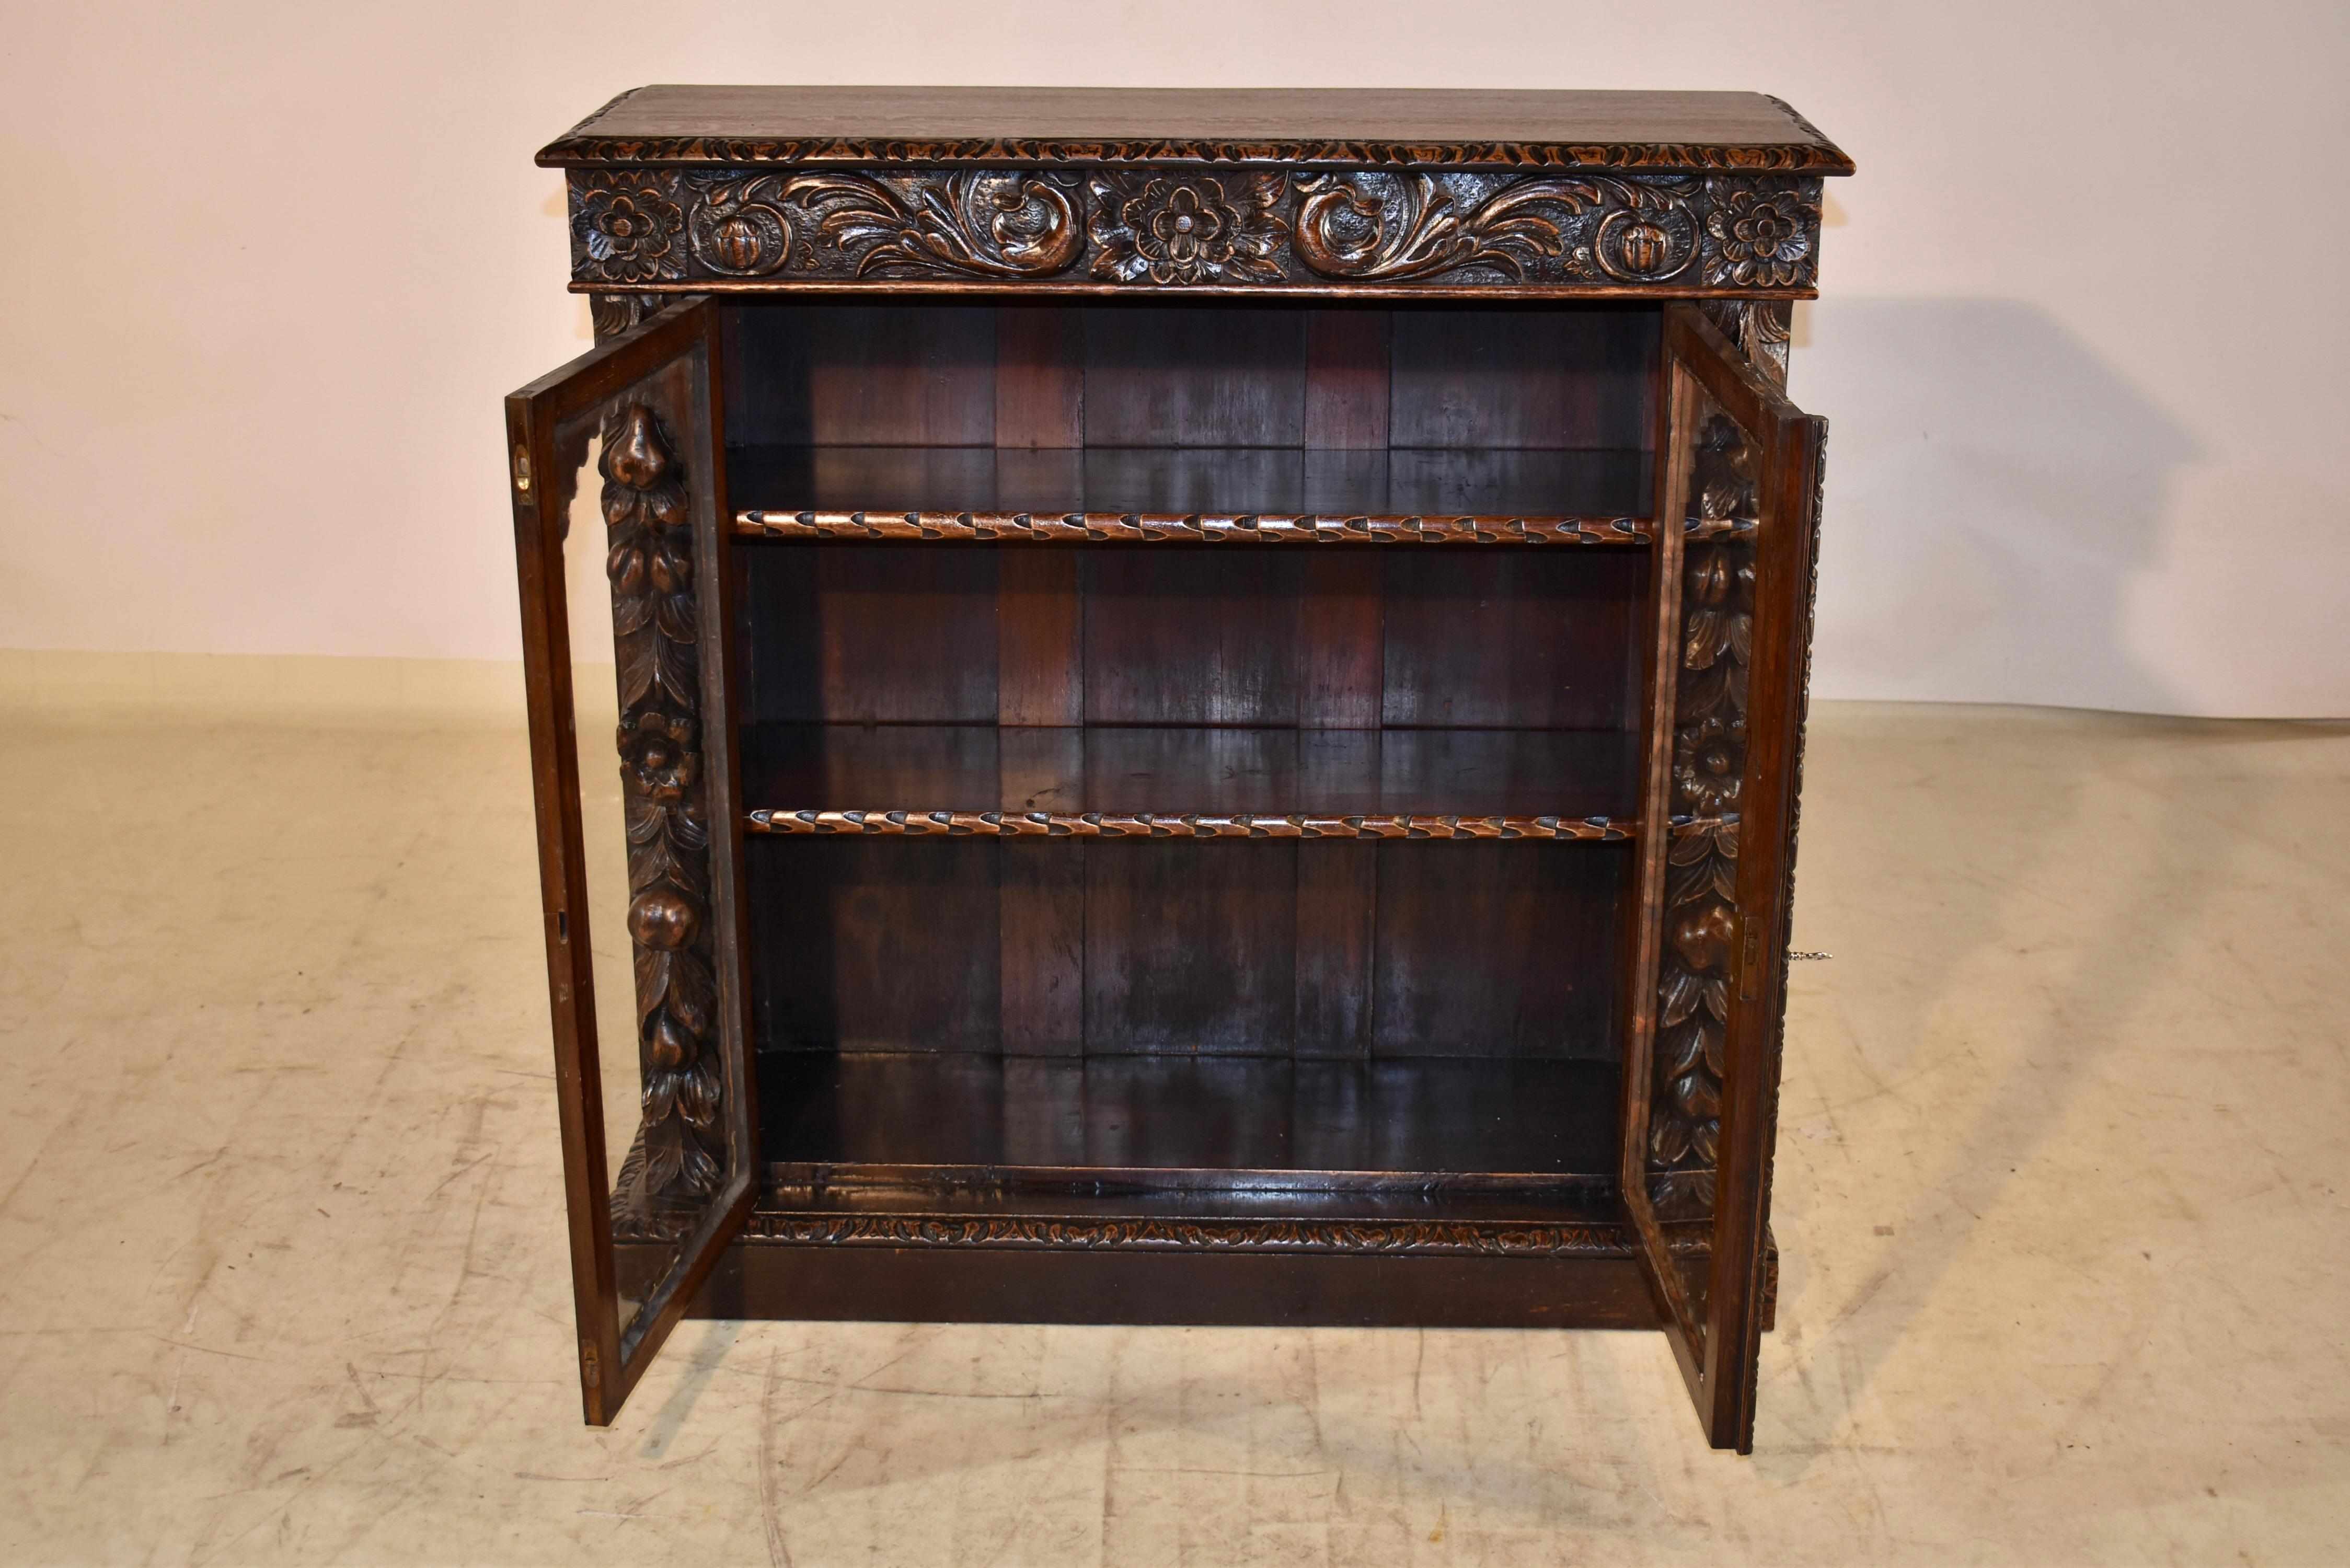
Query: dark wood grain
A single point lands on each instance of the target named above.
(1126, 1117)
(1190, 953)
(1040, 377)
(1348, 379)
(1042, 922)
(1497, 948)
(1125, 770)
(853, 126)
(1162, 378)
(1337, 905)
(1507, 639)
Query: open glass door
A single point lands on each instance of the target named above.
(624, 584)
(1725, 716)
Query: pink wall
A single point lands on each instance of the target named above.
(269, 269)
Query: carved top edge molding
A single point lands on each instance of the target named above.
(1335, 128)
(1248, 230)
(712, 151)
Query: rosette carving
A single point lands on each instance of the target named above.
(1375, 227)
(626, 229)
(656, 627)
(1700, 913)
(1760, 233)
(1170, 229)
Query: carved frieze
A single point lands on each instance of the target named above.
(656, 629)
(1176, 229)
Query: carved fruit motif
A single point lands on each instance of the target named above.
(656, 630)
(1710, 746)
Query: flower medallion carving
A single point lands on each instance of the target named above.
(1709, 770)
(1763, 236)
(1179, 229)
(626, 228)
(1188, 230)
(656, 627)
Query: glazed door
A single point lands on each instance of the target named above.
(624, 584)
(1726, 695)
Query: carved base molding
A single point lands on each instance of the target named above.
(1108, 824)
(1342, 1236)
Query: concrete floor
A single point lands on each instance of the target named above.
(2064, 1194)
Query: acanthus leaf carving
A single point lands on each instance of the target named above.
(1386, 228)
(1176, 228)
(972, 224)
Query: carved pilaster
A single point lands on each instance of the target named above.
(1701, 924)
(656, 635)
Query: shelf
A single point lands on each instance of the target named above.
(1145, 782)
(1476, 1129)
(1176, 494)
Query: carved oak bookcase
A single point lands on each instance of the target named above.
(1184, 707)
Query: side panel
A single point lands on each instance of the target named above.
(625, 636)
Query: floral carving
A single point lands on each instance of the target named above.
(1761, 234)
(656, 630)
(1710, 746)
(1189, 230)
(1377, 227)
(1176, 229)
(627, 230)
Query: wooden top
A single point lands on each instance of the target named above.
(1325, 127)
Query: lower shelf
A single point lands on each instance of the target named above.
(1193, 1124)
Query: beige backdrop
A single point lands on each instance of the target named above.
(270, 267)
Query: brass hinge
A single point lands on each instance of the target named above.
(522, 469)
(1750, 959)
(591, 1369)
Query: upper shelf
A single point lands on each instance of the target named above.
(1271, 494)
(1148, 781)
(1336, 128)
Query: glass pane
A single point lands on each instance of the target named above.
(1722, 464)
(629, 582)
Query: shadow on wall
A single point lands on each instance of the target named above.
(1992, 487)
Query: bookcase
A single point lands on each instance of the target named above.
(1206, 702)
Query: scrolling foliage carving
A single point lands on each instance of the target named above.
(1385, 228)
(656, 629)
(1177, 228)
(1709, 772)
(975, 223)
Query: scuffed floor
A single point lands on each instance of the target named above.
(2063, 1194)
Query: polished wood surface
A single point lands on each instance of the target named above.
(1266, 125)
